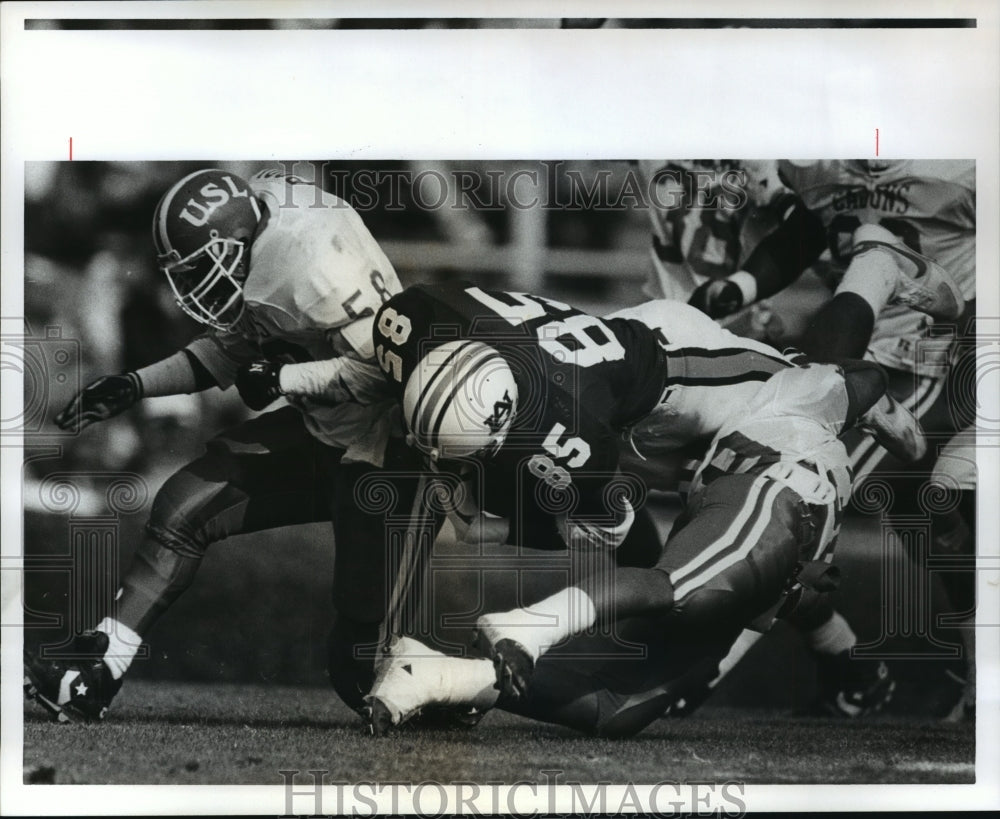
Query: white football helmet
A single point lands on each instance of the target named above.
(460, 401)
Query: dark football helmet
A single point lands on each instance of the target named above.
(202, 229)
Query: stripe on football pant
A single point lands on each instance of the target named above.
(733, 545)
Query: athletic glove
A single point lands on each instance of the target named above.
(717, 298)
(100, 400)
(258, 384)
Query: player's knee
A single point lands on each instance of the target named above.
(810, 609)
(187, 515)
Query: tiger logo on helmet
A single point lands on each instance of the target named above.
(202, 229)
(460, 401)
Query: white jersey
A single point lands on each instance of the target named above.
(316, 277)
(789, 430)
(706, 220)
(930, 205)
(712, 374)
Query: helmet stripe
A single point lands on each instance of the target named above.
(475, 363)
(431, 409)
(422, 399)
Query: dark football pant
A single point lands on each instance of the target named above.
(731, 557)
(267, 473)
(614, 693)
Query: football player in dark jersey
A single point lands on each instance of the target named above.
(539, 393)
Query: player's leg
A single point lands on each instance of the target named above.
(385, 522)
(594, 684)
(728, 560)
(848, 686)
(882, 271)
(939, 405)
(264, 474)
(953, 530)
(612, 693)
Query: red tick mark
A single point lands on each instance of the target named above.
(71, 149)
(876, 142)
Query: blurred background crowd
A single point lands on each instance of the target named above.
(90, 269)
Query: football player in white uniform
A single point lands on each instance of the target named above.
(901, 238)
(287, 279)
(708, 217)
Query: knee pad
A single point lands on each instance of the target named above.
(810, 610)
(188, 511)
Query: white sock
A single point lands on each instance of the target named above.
(468, 681)
(871, 275)
(123, 643)
(548, 622)
(832, 637)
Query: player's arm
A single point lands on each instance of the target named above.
(334, 380)
(602, 514)
(350, 375)
(111, 395)
(780, 258)
(600, 522)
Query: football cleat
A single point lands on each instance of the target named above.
(73, 690)
(922, 284)
(512, 662)
(852, 686)
(410, 678)
(896, 429)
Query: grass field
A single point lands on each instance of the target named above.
(188, 734)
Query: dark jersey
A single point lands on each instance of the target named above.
(581, 380)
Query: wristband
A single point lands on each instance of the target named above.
(747, 285)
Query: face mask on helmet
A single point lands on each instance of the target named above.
(208, 284)
(460, 401)
(202, 230)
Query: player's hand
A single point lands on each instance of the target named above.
(99, 400)
(717, 298)
(258, 384)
